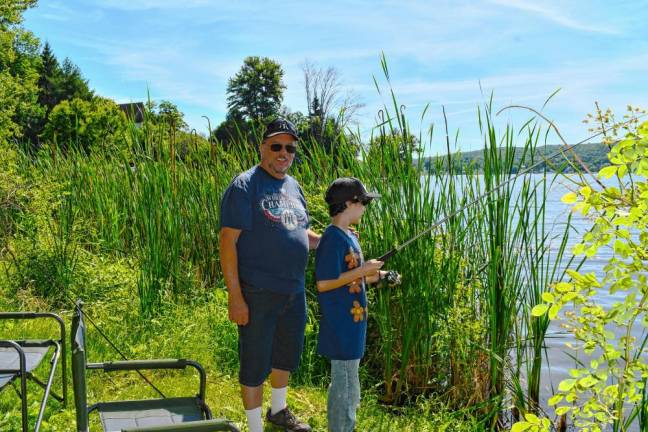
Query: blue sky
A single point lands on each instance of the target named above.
(438, 54)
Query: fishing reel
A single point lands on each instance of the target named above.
(391, 279)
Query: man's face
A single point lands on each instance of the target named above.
(275, 158)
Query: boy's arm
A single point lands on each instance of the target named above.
(368, 269)
(376, 277)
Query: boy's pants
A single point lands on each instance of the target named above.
(343, 395)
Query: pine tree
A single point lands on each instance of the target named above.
(72, 84)
(49, 79)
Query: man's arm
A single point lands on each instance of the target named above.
(237, 308)
(313, 239)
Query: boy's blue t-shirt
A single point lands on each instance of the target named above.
(273, 246)
(343, 327)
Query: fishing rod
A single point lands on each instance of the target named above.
(562, 150)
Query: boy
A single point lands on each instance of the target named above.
(342, 275)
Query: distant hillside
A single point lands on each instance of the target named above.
(593, 155)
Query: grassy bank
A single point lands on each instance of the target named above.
(135, 232)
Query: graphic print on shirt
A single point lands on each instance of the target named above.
(353, 260)
(280, 208)
(357, 311)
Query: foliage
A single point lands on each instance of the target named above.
(169, 114)
(19, 64)
(85, 125)
(330, 111)
(593, 155)
(609, 389)
(256, 91)
(11, 12)
(13, 193)
(235, 131)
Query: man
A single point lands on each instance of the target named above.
(264, 244)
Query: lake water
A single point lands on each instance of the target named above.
(561, 358)
(560, 361)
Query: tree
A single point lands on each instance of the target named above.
(256, 91)
(169, 114)
(329, 110)
(49, 77)
(85, 125)
(233, 131)
(19, 62)
(72, 84)
(11, 12)
(325, 97)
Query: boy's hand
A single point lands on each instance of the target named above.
(371, 267)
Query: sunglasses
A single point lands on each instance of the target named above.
(364, 201)
(292, 149)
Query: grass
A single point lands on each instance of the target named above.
(201, 332)
(135, 234)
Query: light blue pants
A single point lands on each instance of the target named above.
(343, 395)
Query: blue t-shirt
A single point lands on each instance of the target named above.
(343, 326)
(272, 249)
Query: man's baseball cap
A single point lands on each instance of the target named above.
(280, 126)
(348, 189)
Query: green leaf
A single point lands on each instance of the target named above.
(587, 382)
(553, 311)
(521, 426)
(547, 297)
(539, 310)
(566, 385)
(562, 410)
(532, 418)
(569, 198)
(555, 399)
(608, 171)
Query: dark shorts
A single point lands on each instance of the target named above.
(273, 337)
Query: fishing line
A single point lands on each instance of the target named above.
(562, 151)
(113, 346)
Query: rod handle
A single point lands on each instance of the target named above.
(387, 255)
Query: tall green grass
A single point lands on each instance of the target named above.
(460, 324)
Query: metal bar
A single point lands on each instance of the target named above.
(50, 379)
(62, 340)
(22, 360)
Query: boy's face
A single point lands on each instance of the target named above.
(356, 210)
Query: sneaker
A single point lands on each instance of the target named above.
(287, 420)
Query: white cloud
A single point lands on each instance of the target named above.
(555, 15)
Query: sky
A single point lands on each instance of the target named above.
(450, 55)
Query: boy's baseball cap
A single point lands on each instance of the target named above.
(280, 126)
(348, 189)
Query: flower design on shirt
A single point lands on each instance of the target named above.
(357, 311)
(353, 260)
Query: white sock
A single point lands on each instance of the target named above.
(255, 423)
(278, 399)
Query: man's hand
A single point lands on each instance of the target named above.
(238, 310)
